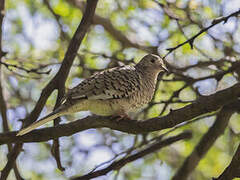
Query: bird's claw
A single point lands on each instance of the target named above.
(120, 117)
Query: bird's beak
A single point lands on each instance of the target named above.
(165, 67)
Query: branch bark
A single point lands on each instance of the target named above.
(207, 141)
(148, 150)
(191, 40)
(58, 81)
(2, 5)
(3, 105)
(203, 105)
(61, 76)
(115, 33)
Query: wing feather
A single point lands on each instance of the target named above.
(119, 82)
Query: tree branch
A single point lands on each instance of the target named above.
(191, 40)
(3, 106)
(203, 105)
(109, 27)
(59, 80)
(2, 12)
(204, 64)
(207, 141)
(3, 110)
(63, 34)
(233, 170)
(32, 70)
(12, 156)
(61, 76)
(148, 150)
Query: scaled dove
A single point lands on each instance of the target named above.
(115, 91)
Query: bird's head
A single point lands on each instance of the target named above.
(152, 62)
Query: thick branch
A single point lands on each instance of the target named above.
(2, 5)
(109, 27)
(148, 150)
(58, 80)
(204, 104)
(206, 142)
(61, 76)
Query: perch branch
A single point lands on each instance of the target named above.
(205, 104)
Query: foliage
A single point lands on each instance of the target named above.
(35, 37)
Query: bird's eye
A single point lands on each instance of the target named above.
(152, 60)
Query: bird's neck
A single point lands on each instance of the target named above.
(148, 84)
(150, 75)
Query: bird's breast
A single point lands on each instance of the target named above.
(143, 96)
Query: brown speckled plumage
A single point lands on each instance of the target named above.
(115, 91)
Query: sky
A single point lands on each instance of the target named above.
(43, 34)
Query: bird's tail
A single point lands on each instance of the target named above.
(58, 112)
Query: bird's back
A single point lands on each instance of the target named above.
(113, 91)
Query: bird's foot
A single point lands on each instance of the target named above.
(120, 117)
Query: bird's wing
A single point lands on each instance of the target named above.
(115, 83)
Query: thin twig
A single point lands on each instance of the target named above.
(191, 40)
(137, 155)
(33, 70)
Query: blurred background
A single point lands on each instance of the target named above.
(36, 35)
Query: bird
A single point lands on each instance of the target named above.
(112, 92)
